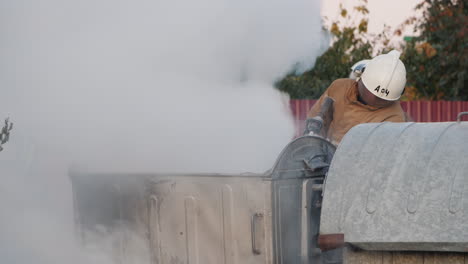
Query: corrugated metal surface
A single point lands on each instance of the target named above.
(400, 186)
(420, 111)
(434, 111)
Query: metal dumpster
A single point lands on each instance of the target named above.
(209, 218)
(400, 187)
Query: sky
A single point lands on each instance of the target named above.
(381, 12)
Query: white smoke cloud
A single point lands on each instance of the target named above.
(137, 86)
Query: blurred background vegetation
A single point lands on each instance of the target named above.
(435, 56)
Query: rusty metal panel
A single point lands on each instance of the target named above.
(357, 256)
(443, 258)
(387, 258)
(408, 258)
(400, 186)
(351, 256)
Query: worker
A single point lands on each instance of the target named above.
(370, 98)
(357, 69)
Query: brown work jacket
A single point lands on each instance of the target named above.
(348, 111)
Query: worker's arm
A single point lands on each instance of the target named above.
(315, 109)
(320, 116)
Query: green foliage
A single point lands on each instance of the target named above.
(333, 64)
(349, 46)
(437, 60)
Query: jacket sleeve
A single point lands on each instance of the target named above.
(315, 109)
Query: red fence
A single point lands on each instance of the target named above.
(420, 111)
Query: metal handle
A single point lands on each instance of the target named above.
(154, 229)
(460, 115)
(258, 234)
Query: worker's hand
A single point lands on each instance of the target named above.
(313, 125)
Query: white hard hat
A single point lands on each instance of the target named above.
(385, 76)
(357, 69)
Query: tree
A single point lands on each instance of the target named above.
(350, 44)
(5, 133)
(437, 59)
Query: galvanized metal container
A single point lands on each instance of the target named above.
(400, 186)
(211, 218)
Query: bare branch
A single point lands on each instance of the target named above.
(5, 133)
